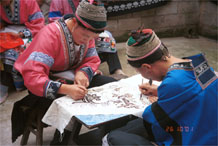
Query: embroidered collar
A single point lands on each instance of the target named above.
(75, 56)
(181, 65)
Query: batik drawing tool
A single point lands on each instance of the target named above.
(141, 92)
(150, 81)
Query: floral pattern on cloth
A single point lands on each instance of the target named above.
(114, 94)
(116, 98)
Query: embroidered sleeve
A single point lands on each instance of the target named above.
(88, 72)
(51, 88)
(40, 57)
(91, 52)
(35, 19)
(35, 71)
(35, 16)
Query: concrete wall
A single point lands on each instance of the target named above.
(176, 18)
(208, 25)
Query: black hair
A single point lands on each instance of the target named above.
(67, 16)
(95, 31)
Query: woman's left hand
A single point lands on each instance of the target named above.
(81, 79)
(152, 99)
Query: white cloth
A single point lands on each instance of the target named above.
(122, 97)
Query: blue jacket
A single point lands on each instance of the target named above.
(186, 110)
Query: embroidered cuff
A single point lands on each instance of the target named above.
(88, 71)
(27, 33)
(51, 89)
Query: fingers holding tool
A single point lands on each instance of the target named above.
(148, 88)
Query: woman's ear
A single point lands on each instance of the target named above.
(146, 66)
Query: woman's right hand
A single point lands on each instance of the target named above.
(148, 89)
(76, 92)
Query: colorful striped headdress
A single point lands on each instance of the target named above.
(91, 14)
(142, 44)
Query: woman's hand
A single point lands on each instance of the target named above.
(152, 99)
(81, 79)
(148, 89)
(76, 92)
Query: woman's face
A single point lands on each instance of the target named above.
(82, 36)
(150, 72)
(144, 72)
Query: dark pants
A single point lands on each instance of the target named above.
(133, 133)
(6, 76)
(112, 60)
(99, 80)
(22, 109)
(11, 78)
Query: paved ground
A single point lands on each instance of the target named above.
(178, 47)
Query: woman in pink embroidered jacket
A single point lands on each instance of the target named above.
(58, 8)
(25, 12)
(67, 44)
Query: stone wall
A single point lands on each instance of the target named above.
(208, 25)
(176, 18)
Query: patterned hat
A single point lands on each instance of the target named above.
(142, 44)
(91, 14)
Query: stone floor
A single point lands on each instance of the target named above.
(178, 47)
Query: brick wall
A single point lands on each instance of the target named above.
(176, 18)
